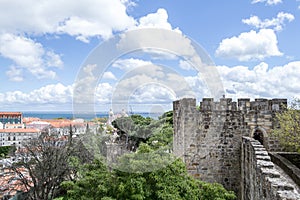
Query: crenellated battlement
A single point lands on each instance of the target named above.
(208, 104)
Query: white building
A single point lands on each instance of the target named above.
(13, 126)
(17, 136)
(9, 120)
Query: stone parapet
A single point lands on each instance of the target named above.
(260, 179)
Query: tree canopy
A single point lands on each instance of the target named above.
(5, 150)
(151, 172)
(288, 131)
(171, 182)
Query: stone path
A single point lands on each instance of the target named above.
(287, 178)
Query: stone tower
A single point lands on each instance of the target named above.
(208, 137)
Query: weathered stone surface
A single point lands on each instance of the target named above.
(260, 179)
(264, 157)
(211, 140)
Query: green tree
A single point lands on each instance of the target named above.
(137, 129)
(5, 150)
(133, 130)
(288, 131)
(171, 182)
(94, 182)
(151, 172)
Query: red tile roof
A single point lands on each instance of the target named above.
(10, 113)
(30, 119)
(10, 182)
(19, 130)
(62, 123)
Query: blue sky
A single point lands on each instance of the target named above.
(44, 44)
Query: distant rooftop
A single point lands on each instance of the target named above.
(19, 130)
(10, 113)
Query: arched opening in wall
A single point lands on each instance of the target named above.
(259, 136)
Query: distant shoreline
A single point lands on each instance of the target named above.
(69, 115)
(65, 115)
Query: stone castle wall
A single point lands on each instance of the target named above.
(208, 138)
(260, 179)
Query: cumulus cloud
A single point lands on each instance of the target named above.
(262, 81)
(81, 19)
(153, 94)
(158, 86)
(155, 20)
(29, 55)
(135, 84)
(198, 85)
(84, 86)
(53, 96)
(158, 19)
(184, 47)
(275, 23)
(15, 74)
(268, 2)
(103, 93)
(250, 46)
(50, 94)
(185, 65)
(129, 64)
(109, 75)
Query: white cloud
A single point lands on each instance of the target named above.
(53, 59)
(109, 75)
(155, 20)
(15, 74)
(50, 94)
(185, 65)
(30, 55)
(82, 29)
(158, 19)
(82, 18)
(160, 39)
(153, 94)
(250, 46)
(160, 86)
(198, 85)
(275, 23)
(84, 86)
(103, 93)
(129, 64)
(268, 2)
(150, 84)
(262, 81)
